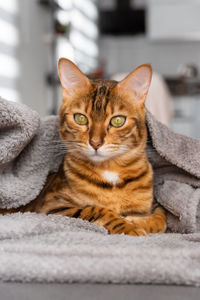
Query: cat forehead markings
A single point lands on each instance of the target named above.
(111, 177)
(100, 95)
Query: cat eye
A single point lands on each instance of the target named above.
(118, 121)
(80, 119)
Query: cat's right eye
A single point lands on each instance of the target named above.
(80, 119)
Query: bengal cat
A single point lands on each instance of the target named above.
(105, 177)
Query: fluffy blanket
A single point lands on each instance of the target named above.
(55, 248)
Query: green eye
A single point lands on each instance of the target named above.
(80, 119)
(117, 121)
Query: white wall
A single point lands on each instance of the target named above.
(122, 54)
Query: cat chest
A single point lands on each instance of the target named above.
(108, 191)
(111, 177)
(109, 188)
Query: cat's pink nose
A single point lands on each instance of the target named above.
(96, 143)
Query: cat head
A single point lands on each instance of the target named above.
(103, 119)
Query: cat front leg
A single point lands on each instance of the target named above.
(101, 216)
(113, 222)
(155, 222)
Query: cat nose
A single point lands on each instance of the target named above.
(96, 143)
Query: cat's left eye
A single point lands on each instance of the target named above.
(80, 119)
(118, 121)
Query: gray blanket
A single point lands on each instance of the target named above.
(54, 248)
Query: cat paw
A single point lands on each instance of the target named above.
(133, 231)
(159, 211)
(137, 232)
(160, 215)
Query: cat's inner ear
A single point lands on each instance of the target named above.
(137, 82)
(71, 77)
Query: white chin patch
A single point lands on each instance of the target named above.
(97, 158)
(111, 177)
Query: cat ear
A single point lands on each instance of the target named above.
(137, 82)
(71, 77)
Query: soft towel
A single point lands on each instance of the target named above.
(40, 248)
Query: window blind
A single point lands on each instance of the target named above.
(9, 40)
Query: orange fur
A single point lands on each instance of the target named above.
(105, 177)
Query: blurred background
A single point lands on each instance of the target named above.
(106, 39)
